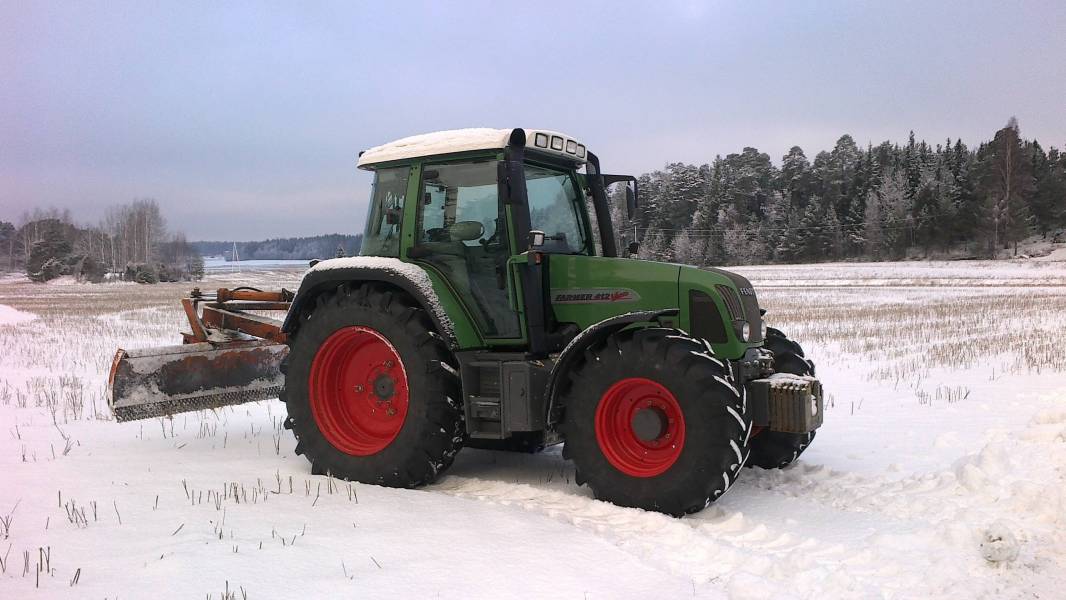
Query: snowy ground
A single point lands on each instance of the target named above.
(940, 471)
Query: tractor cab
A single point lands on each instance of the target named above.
(515, 225)
(482, 198)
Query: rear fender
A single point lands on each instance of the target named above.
(327, 275)
(596, 333)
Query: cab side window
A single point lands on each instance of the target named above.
(382, 235)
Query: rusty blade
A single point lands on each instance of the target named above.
(155, 382)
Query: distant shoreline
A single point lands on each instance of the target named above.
(217, 263)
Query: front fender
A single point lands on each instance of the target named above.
(591, 335)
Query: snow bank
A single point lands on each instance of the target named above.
(1054, 255)
(10, 316)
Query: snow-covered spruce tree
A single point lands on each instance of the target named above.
(873, 226)
(794, 181)
(1008, 183)
(677, 198)
(1052, 188)
(835, 175)
(1048, 194)
(895, 213)
(48, 255)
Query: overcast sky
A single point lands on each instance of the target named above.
(244, 122)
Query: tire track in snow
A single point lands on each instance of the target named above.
(721, 546)
(916, 527)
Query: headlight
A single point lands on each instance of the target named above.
(745, 331)
(762, 330)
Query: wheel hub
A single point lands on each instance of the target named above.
(649, 424)
(384, 387)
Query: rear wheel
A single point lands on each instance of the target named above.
(653, 421)
(777, 449)
(369, 390)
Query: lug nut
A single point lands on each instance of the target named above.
(359, 389)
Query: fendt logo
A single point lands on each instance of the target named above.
(746, 291)
(595, 296)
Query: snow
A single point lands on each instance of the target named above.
(999, 543)
(1058, 254)
(10, 316)
(438, 142)
(914, 488)
(413, 273)
(790, 379)
(446, 142)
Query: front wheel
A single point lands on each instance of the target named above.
(653, 421)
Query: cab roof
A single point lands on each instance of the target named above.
(480, 138)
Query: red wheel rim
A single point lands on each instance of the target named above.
(358, 391)
(640, 427)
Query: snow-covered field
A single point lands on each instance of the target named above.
(940, 471)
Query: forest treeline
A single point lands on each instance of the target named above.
(131, 242)
(297, 248)
(881, 202)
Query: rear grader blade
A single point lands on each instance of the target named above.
(231, 356)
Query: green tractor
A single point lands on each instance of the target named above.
(490, 309)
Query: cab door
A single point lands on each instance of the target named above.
(461, 232)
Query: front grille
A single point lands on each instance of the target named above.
(746, 307)
(732, 301)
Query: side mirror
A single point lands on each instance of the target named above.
(536, 239)
(631, 198)
(633, 248)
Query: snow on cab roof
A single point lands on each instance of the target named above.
(477, 138)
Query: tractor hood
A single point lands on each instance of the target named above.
(715, 304)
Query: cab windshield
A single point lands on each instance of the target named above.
(555, 208)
